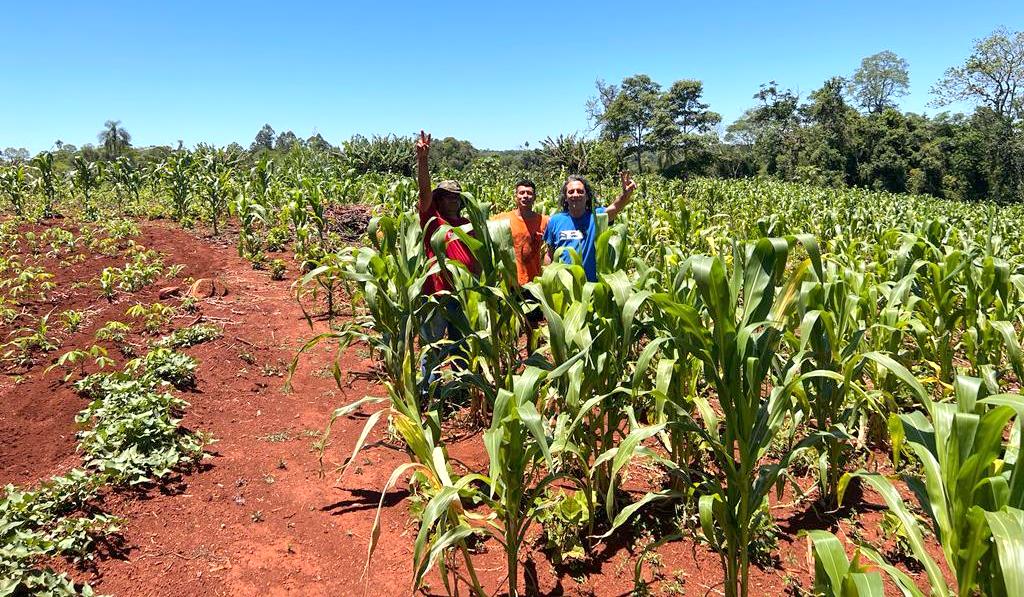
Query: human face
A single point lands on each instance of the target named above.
(449, 205)
(524, 198)
(576, 197)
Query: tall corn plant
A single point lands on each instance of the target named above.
(14, 183)
(390, 274)
(607, 319)
(493, 317)
(523, 464)
(85, 178)
(831, 337)
(251, 214)
(971, 490)
(46, 181)
(215, 175)
(178, 175)
(739, 351)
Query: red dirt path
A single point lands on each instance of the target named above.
(258, 519)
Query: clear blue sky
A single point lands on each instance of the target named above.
(497, 74)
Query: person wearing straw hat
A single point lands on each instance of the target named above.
(439, 207)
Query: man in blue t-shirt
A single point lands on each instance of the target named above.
(573, 227)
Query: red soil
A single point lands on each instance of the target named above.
(258, 518)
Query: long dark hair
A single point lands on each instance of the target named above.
(586, 188)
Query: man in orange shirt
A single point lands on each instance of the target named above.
(527, 238)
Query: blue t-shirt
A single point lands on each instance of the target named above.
(576, 233)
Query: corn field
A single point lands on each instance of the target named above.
(736, 330)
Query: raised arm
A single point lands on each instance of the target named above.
(423, 171)
(628, 186)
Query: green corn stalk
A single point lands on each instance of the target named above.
(46, 181)
(835, 575)
(739, 357)
(86, 178)
(178, 175)
(969, 475)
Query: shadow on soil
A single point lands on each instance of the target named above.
(365, 499)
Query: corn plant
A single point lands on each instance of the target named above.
(740, 359)
(177, 173)
(970, 480)
(606, 319)
(85, 178)
(14, 183)
(522, 468)
(250, 214)
(215, 176)
(127, 179)
(493, 321)
(831, 337)
(46, 181)
(835, 575)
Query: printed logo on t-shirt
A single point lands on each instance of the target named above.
(567, 235)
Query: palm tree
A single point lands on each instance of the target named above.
(114, 138)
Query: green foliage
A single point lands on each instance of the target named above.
(53, 520)
(388, 154)
(72, 320)
(145, 267)
(835, 575)
(564, 518)
(277, 269)
(115, 331)
(880, 78)
(191, 336)
(135, 436)
(154, 317)
(167, 365)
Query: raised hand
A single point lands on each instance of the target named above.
(423, 145)
(628, 184)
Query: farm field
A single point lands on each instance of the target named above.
(765, 379)
(257, 517)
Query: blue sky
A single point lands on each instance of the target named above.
(496, 74)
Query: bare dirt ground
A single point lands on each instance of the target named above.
(258, 518)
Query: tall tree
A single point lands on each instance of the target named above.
(630, 114)
(774, 125)
(829, 143)
(264, 139)
(993, 75)
(114, 138)
(880, 78)
(285, 141)
(598, 106)
(683, 126)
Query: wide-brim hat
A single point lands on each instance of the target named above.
(451, 187)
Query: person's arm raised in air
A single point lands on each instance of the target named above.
(628, 186)
(423, 171)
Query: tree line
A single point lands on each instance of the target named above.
(850, 132)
